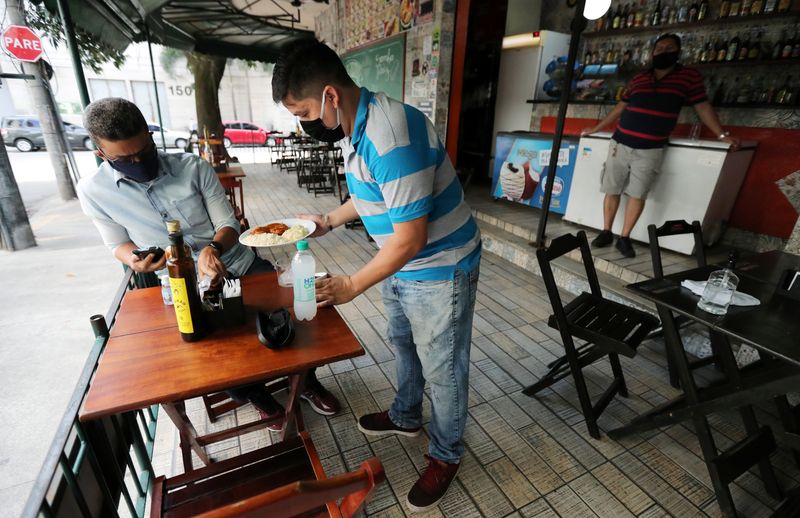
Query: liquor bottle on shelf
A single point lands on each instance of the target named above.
(665, 12)
(673, 14)
(784, 93)
(725, 8)
(784, 5)
(608, 19)
(757, 93)
(615, 21)
(683, 11)
(777, 49)
(631, 17)
(720, 93)
(698, 50)
(736, 7)
(796, 46)
(733, 48)
(744, 48)
(732, 93)
(772, 91)
(788, 45)
(655, 19)
(745, 9)
(769, 6)
(708, 52)
(641, 15)
(744, 91)
(754, 52)
(756, 7)
(702, 11)
(694, 9)
(721, 48)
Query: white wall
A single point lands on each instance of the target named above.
(523, 16)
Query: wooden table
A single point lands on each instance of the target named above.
(772, 328)
(146, 362)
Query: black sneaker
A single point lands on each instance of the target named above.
(431, 486)
(381, 424)
(625, 247)
(604, 238)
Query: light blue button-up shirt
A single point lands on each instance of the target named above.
(186, 189)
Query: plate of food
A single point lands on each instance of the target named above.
(278, 233)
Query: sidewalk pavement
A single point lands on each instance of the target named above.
(49, 293)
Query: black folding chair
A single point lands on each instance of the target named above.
(608, 328)
(677, 228)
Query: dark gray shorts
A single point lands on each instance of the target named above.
(630, 170)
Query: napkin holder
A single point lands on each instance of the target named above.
(221, 312)
(789, 285)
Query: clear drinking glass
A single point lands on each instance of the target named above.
(718, 292)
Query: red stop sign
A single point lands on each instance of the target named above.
(22, 43)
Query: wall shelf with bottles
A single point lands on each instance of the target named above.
(716, 105)
(728, 20)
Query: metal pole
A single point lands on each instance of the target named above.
(155, 87)
(576, 28)
(72, 45)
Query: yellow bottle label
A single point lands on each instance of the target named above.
(180, 299)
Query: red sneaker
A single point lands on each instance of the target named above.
(432, 485)
(380, 424)
(268, 408)
(320, 400)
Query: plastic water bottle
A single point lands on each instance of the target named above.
(303, 268)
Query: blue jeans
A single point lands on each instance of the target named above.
(430, 327)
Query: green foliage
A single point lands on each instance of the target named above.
(93, 52)
(168, 58)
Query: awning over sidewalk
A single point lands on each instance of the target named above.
(216, 27)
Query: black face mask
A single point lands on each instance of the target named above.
(143, 171)
(316, 129)
(665, 60)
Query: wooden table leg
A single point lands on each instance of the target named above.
(297, 383)
(177, 413)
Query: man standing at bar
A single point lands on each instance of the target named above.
(406, 192)
(647, 114)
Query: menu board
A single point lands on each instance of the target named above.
(379, 67)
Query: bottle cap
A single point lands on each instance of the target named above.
(302, 245)
(173, 226)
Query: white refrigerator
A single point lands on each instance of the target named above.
(522, 75)
(699, 180)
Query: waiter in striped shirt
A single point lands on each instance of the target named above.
(647, 114)
(404, 188)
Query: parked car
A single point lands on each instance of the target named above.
(24, 132)
(243, 132)
(173, 138)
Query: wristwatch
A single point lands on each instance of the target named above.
(723, 135)
(327, 222)
(216, 245)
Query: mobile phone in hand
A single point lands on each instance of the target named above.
(142, 253)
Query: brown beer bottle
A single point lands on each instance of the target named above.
(183, 282)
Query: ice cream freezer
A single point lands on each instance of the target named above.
(699, 180)
(521, 167)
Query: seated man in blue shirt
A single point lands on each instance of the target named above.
(137, 189)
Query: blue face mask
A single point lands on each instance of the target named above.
(143, 171)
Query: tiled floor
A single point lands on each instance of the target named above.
(525, 457)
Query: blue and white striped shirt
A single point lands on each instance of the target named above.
(397, 171)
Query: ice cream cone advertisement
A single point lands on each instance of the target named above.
(521, 169)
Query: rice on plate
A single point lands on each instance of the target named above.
(282, 232)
